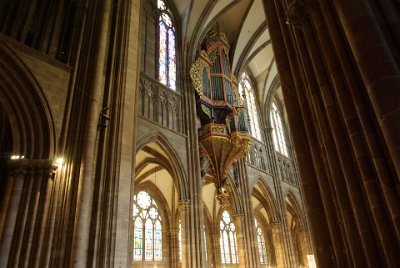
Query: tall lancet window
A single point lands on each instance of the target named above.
(278, 134)
(262, 249)
(167, 44)
(246, 89)
(147, 229)
(227, 240)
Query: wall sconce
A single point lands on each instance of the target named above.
(60, 161)
(15, 157)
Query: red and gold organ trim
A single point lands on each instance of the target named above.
(224, 134)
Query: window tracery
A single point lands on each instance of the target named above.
(167, 53)
(278, 136)
(147, 228)
(247, 92)
(227, 239)
(262, 249)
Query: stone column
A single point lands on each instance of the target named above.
(24, 213)
(184, 212)
(18, 170)
(276, 236)
(128, 80)
(378, 68)
(174, 249)
(216, 246)
(320, 205)
(354, 109)
(302, 243)
(240, 238)
(99, 34)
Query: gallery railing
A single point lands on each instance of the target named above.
(257, 156)
(160, 103)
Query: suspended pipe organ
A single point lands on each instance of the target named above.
(224, 133)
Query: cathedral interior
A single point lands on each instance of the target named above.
(192, 133)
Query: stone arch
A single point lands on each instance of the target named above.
(235, 198)
(158, 196)
(266, 198)
(298, 228)
(27, 108)
(275, 85)
(172, 162)
(293, 206)
(270, 223)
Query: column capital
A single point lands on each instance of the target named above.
(183, 204)
(239, 215)
(275, 225)
(22, 166)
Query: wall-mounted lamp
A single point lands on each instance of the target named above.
(15, 157)
(60, 161)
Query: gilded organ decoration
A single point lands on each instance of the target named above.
(224, 133)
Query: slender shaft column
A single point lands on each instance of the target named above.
(277, 243)
(81, 239)
(320, 204)
(240, 238)
(174, 248)
(184, 211)
(354, 97)
(378, 69)
(248, 221)
(18, 172)
(368, 177)
(18, 246)
(122, 220)
(345, 178)
(217, 246)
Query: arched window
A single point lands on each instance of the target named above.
(227, 239)
(147, 229)
(247, 91)
(278, 136)
(167, 44)
(262, 249)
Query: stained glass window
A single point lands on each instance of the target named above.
(278, 136)
(262, 250)
(247, 92)
(147, 243)
(227, 239)
(167, 54)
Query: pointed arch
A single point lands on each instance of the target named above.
(154, 225)
(294, 208)
(172, 163)
(27, 108)
(266, 198)
(228, 246)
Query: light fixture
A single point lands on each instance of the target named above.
(15, 157)
(60, 161)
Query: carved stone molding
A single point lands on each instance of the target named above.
(275, 225)
(23, 166)
(183, 204)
